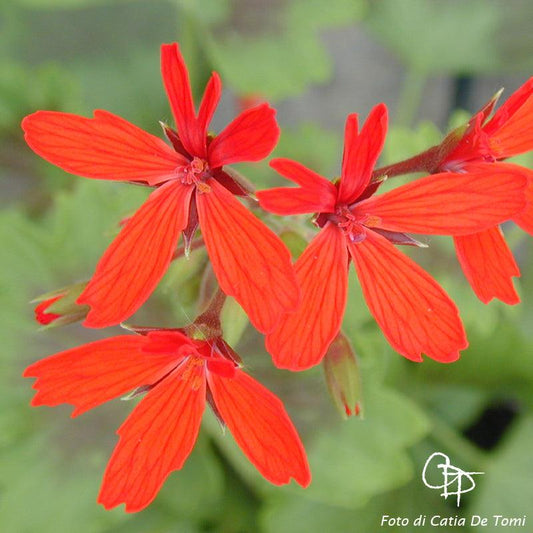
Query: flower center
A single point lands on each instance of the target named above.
(348, 222)
(194, 173)
(193, 373)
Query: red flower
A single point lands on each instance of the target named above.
(414, 312)
(249, 260)
(179, 374)
(484, 256)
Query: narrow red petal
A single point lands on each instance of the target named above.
(302, 338)
(209, 103)
(249, 137)
(413, 311)
(178, 87)
(94, 373)
(250, 261)
(289, 201)
(104, 147)
(449, 203)
(361, 151)
(488, 265)
(316, 194)
(303, 176)
(168, 341)
(155, 439)
(262, 428)
(525, 218)
(509, 129)
(136, 260)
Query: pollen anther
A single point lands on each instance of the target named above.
(193, 173)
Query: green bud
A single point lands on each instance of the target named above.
(343, 376)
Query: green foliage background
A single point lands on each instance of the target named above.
(77, 55)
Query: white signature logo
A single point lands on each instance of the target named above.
(455, 481)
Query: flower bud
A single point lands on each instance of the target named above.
(58, 308)
(343, 376)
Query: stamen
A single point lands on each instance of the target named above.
(349, 223)
(194, 172)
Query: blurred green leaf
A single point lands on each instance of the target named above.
(63, 4)
(515, 39)
(499, 363)
(308, 516)
(182, 269)
(403, 143)
(194, 491)
(313, 146)
(272, 68)
(234, 322)
(207, 11)
(506, 488)
(280, 63)
(358, 459)
(317, 15)
(24, 89)
(73, 507)
(451, 36)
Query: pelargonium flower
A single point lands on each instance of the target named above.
(484, 256)
(413, 311)
(179, 375)
(249, 260)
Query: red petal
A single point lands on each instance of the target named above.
(250, 261)
(302, 338)
(262, 428)
(209, 103)
(155, 439)
(361, 152)
(94, 373)
(488, 265)
(168, 341)
(316, 193)
(178, 88)
(413, 311)
(509, 130)
(449, 203)
(136, 260)
(104, 147)
(250, 137)
(525, 218)
(42, 316)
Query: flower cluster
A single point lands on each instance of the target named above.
(468, 191)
